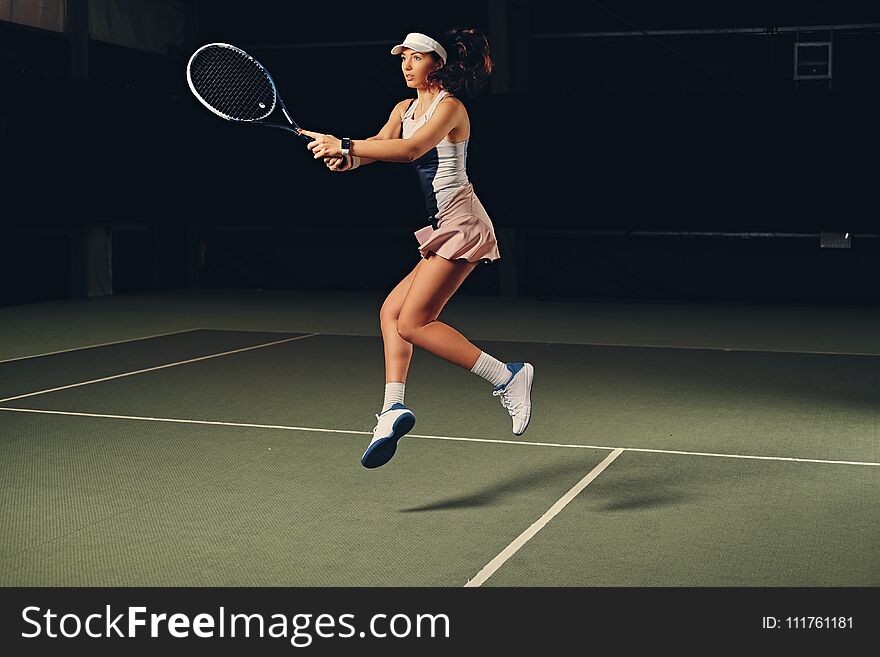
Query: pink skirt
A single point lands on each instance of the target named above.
(464, 231)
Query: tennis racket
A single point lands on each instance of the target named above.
(236, 87)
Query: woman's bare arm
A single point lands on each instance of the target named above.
(391, 130)
(446, 117)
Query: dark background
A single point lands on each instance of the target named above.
(624, 149)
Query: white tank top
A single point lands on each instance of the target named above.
(441, 171)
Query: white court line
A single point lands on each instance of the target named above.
(750, 457)
(247, 425)
(284, 427)
(103, 344)
(589, 344)
(153, 369)
(505, 554)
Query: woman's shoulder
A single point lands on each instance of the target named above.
(449, 99)
(402, 106)
(453, 103)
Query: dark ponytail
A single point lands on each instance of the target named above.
(468, 64)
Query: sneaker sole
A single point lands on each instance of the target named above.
(381, 451)
(530, 379)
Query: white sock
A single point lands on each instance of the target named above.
(393, 394)
(491, 369)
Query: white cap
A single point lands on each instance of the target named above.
(420, 43)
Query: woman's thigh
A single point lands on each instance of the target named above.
(394, 301)
(436, 280)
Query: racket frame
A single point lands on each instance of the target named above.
(276, 97)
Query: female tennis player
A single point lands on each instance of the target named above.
(431, 132)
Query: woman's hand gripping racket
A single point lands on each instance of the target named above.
(236, 87)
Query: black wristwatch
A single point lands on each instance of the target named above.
(346, 145)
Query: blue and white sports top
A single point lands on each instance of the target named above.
(441, 170)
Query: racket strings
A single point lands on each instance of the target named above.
(232, 84)
(239, 88)
(236, 87)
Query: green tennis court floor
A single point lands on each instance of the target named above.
(219, 457)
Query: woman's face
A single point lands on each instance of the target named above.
(416, 67)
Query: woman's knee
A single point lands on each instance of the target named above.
(390, 310)
(408, 329)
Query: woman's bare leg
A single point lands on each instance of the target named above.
(398, 352)
(435, 281)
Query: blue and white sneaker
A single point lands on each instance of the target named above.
(393, 425)
(516, 395)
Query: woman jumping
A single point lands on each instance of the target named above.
(432, 133)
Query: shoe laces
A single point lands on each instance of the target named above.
(506, 401)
